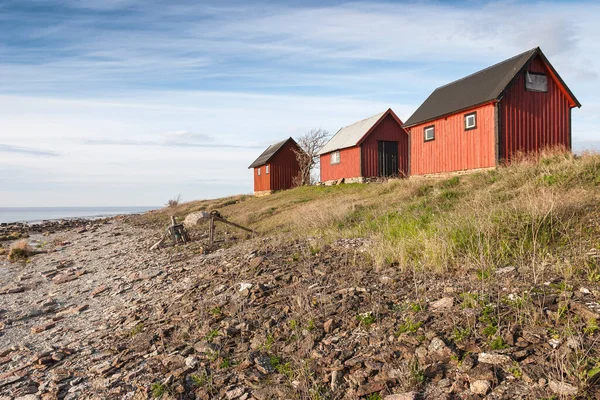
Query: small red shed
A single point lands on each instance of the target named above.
(376, 146)
(518, 105)
(276, 167)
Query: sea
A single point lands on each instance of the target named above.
(34, 215)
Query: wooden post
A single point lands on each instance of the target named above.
(211, 230)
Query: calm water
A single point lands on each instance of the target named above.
(37, 214)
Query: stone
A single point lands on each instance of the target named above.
(505, 270)
(480, 387)
(402, 396)
(563, 388)
(255, 262)
(263, 363)
(370, 388)
(328, 326)
(235, 393)
(444, 303)
(336, 380)
(584, 312)
(64, 278)
(98, 290)
(43, 327)
(494, 359)
(438, 350)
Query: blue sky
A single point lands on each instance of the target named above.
(130, 102)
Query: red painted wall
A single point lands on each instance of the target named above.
(454, 148)
(348, 167)
(388, 129)
(531, 121)
(284, 168)
(262, 182)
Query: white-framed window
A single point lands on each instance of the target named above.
(335, 157)
(258, 171)
(429, 133)
(267, 169)
(471, 121)
(536, 82)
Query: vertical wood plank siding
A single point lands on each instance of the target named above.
(262, 182)
(388, 130)
(284, 168)
(531, 121)
(348, 167)
(454, 148)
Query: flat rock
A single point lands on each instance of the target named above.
(401, 396)
(480, 387)
(563, 388)
(444, 303)
(43, 327)
(494, 359)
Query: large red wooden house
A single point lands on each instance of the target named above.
(376, 146)
(276, 167)
(518, 105)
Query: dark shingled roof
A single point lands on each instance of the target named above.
(269, 153)
(478, 88)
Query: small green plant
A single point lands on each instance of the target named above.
(212, 335)
(311, 325)
(373, 396)
(497, 343)
(314, 250)
(417, 306)
(469, 300)
(452, 182)
(484, 274)
(293, 324)
(459, 334)
(136, 329)
(269, 343)
(515, 370)
(418, 375)
(215, 311)
(295, 257)
(366, 319)
(409, 326)
(562, 311)
(490, 329)
(591, 327)
(200, 380)
(226, 363)
(157, 389)
(286, 370)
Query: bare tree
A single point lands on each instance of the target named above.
(310, 143)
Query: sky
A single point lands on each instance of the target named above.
(132, 102)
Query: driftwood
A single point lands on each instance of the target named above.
(216, 216)
(176, 232)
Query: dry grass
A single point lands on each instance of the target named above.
(19, 251)
(539, 213)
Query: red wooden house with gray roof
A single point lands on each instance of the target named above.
(518, 105)
(276, 167)
(376, 146)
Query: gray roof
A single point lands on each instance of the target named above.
(478, 88)
(266, 155)
(350, 135)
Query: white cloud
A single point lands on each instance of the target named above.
(166, 97)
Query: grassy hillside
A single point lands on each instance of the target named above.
(538, 214)
(489, 280)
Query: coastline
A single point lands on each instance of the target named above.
(38, 215)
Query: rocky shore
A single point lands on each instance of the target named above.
(99, 316)
(16, 230)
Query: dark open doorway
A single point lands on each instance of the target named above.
(387, 156)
